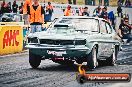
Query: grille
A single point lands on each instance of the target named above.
(56, 42)
(80, 42)
(62, 42)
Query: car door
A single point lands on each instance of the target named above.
(105, 38)
(110, 38)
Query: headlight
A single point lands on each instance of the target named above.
(33, 40)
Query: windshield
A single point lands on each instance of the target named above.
(66, 30)
(76, 24)
(81, 24)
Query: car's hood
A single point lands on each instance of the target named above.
(44, 35)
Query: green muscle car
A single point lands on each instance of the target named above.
(75, 39)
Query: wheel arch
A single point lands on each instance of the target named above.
(91, 46)
(117, 46)
(95, 44)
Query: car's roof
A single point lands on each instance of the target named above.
(80, 17)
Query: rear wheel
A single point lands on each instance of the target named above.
(112, 60)
(92, 59)
(34, 60)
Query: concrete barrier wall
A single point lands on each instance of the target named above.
(11, 39)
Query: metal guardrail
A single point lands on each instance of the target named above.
(11, 23)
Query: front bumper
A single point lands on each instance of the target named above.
(57, 47)
(49, 51)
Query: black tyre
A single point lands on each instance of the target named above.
(34, 60)
(92, 59)
(102, 63)
(112, 60)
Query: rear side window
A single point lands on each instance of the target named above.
(102, 27)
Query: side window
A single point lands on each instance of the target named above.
(108, 28)
(102, 27)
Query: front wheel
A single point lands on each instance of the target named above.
(34, 60)
(92, 59)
